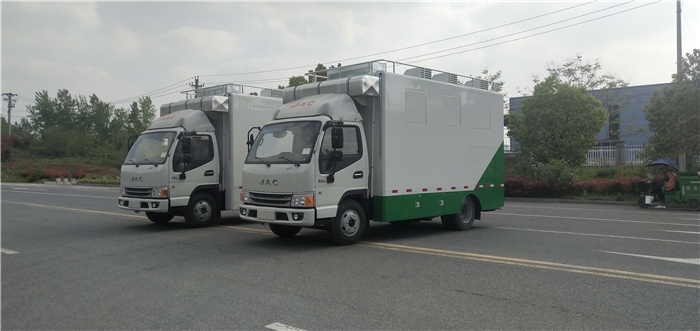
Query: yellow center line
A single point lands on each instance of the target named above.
(660, 279)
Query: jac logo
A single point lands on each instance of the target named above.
(272, 182)
(137, 179)
(303, 104)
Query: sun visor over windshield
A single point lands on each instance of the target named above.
(190, 119)
(337, 106)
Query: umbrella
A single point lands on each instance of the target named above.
(665, 162)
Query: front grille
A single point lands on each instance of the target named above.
(270, 199)
(137, 192)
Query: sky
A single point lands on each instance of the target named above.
(121, 51)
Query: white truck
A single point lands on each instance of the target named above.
(189, 161)
(373, 144)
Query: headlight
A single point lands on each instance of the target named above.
(245, 197)
(160, 192)
(303, 200)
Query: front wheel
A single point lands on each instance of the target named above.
(159, 218)
(462, 221)
(202, 210)
(642, 202)
(350, 224)
(285, 231)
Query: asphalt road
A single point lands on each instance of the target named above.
(72, 260)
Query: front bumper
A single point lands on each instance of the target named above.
(276, 215)
(147, 205)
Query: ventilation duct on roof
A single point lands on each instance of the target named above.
(447, 78)
(419, 72)
(478, 83)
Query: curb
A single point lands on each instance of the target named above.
(592, 202)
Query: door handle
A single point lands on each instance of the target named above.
(358, 174)
(209, 173)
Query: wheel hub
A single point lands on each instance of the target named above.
(350, 223)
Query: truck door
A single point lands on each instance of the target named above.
(350, 173)
(199, 168)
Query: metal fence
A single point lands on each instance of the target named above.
(608, 155)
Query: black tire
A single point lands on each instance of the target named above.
(159, 218)
(202, 210)
(285, 231)
(642, 202)
(462, 221)
(694, 204)
(350, 224)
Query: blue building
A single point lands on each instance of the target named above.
(625, 106)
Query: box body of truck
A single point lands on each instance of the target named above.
(413, 149)
(189, 161)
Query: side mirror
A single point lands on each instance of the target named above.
(130, 142)
(337, 138)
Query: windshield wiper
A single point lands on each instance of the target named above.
(152, 163)
(134, 162)
(263, 161)
(296, 163)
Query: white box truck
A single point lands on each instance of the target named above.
(189, 161)
(376, 146)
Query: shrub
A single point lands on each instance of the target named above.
(619, 186)
(56, 173)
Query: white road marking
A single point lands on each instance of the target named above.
(29, 189)
(600, 235)
(7, 251)
(690, 232)
(672, 259)
(282, 327)
(593, 219)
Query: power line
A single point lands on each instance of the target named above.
(516, 33)
(403, 48)
(168, 89)
(533, 35)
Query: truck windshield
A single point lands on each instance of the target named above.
(150, 148)
(289, 142)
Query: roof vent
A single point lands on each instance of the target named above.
(419, 72)
(447, 78)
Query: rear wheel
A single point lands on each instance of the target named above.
(202, 210)
(462, 221)
(159, 218)
(350, 223)
(694, 204)
(285, 231)
(641, 202)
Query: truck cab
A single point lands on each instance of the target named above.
(188, 162)
(167, 163)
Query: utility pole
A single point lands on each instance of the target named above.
(10, 104)
(679, 48)
(196, 85)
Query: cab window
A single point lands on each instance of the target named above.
(202, 150)
(352, 149)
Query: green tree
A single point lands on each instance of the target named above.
(42, 113)
(497, 79)
(580, 73)
(674, 115)
(141, 115)
(555, 128)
